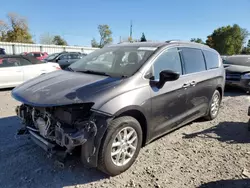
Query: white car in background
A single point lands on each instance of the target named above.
(16, 69)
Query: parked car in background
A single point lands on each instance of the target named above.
(16, 69)
(237, 71)
(2, 51)
(38, 55)
(112, 111)
(64, 59)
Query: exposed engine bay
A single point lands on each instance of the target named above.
(67, 126)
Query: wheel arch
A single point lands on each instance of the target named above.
(139, 114)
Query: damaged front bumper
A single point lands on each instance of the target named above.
(52, 131)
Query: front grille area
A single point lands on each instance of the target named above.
(233, 76)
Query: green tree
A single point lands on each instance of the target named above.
(94, 44)
(46, 38)
(227, 40)
(58, 40)
(105, 36)
(245, 50)
(197, 40)
(248, 44)
(16, 30)
(143, 38)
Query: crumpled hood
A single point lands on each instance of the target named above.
(237, 69)
(62, 88)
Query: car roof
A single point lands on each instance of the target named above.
(161, 44)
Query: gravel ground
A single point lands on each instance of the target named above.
(201, 154)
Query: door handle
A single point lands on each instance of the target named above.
(193, 83)
(186, 85)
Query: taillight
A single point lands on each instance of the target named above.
(57, 67)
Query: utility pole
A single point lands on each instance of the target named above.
(131, 29)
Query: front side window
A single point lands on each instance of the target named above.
(114, 61)
(168, 60)
(193, 60)
(212, 59)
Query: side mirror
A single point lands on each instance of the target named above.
(166, 76)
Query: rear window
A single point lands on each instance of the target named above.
(212, 59)
(193, 60)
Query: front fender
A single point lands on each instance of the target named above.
(138, 99)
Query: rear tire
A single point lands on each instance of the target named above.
(214, 106)
(120, 146)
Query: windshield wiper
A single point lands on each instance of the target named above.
(70, 69)
(95, 72)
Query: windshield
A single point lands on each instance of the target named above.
(119, 60)
(52, 56)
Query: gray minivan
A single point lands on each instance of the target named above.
(110, 107)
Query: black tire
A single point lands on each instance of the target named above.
(210, 115)
(105, 162)
(248, 125)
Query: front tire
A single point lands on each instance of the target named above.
(214, 106)
(120, 146)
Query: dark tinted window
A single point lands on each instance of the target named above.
(193, 60)
(168, 60)
(8, 62)
(212, 59)
(23, 62)
(2, 51)
(66, 56)
(74, 56)
(37, 55)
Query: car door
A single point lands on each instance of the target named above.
(198, 80)
(63, 60)
(169, 102)
(11, 74)
(31, 70)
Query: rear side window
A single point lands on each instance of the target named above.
(23, 62)
(193, 60)
(212, 59)
(74, 56)
(37, 55)
(9, 62)
(66, 56)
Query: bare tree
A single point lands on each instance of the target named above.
(46, 38)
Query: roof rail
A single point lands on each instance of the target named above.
(175, 40)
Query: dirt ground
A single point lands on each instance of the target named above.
(201, 154)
